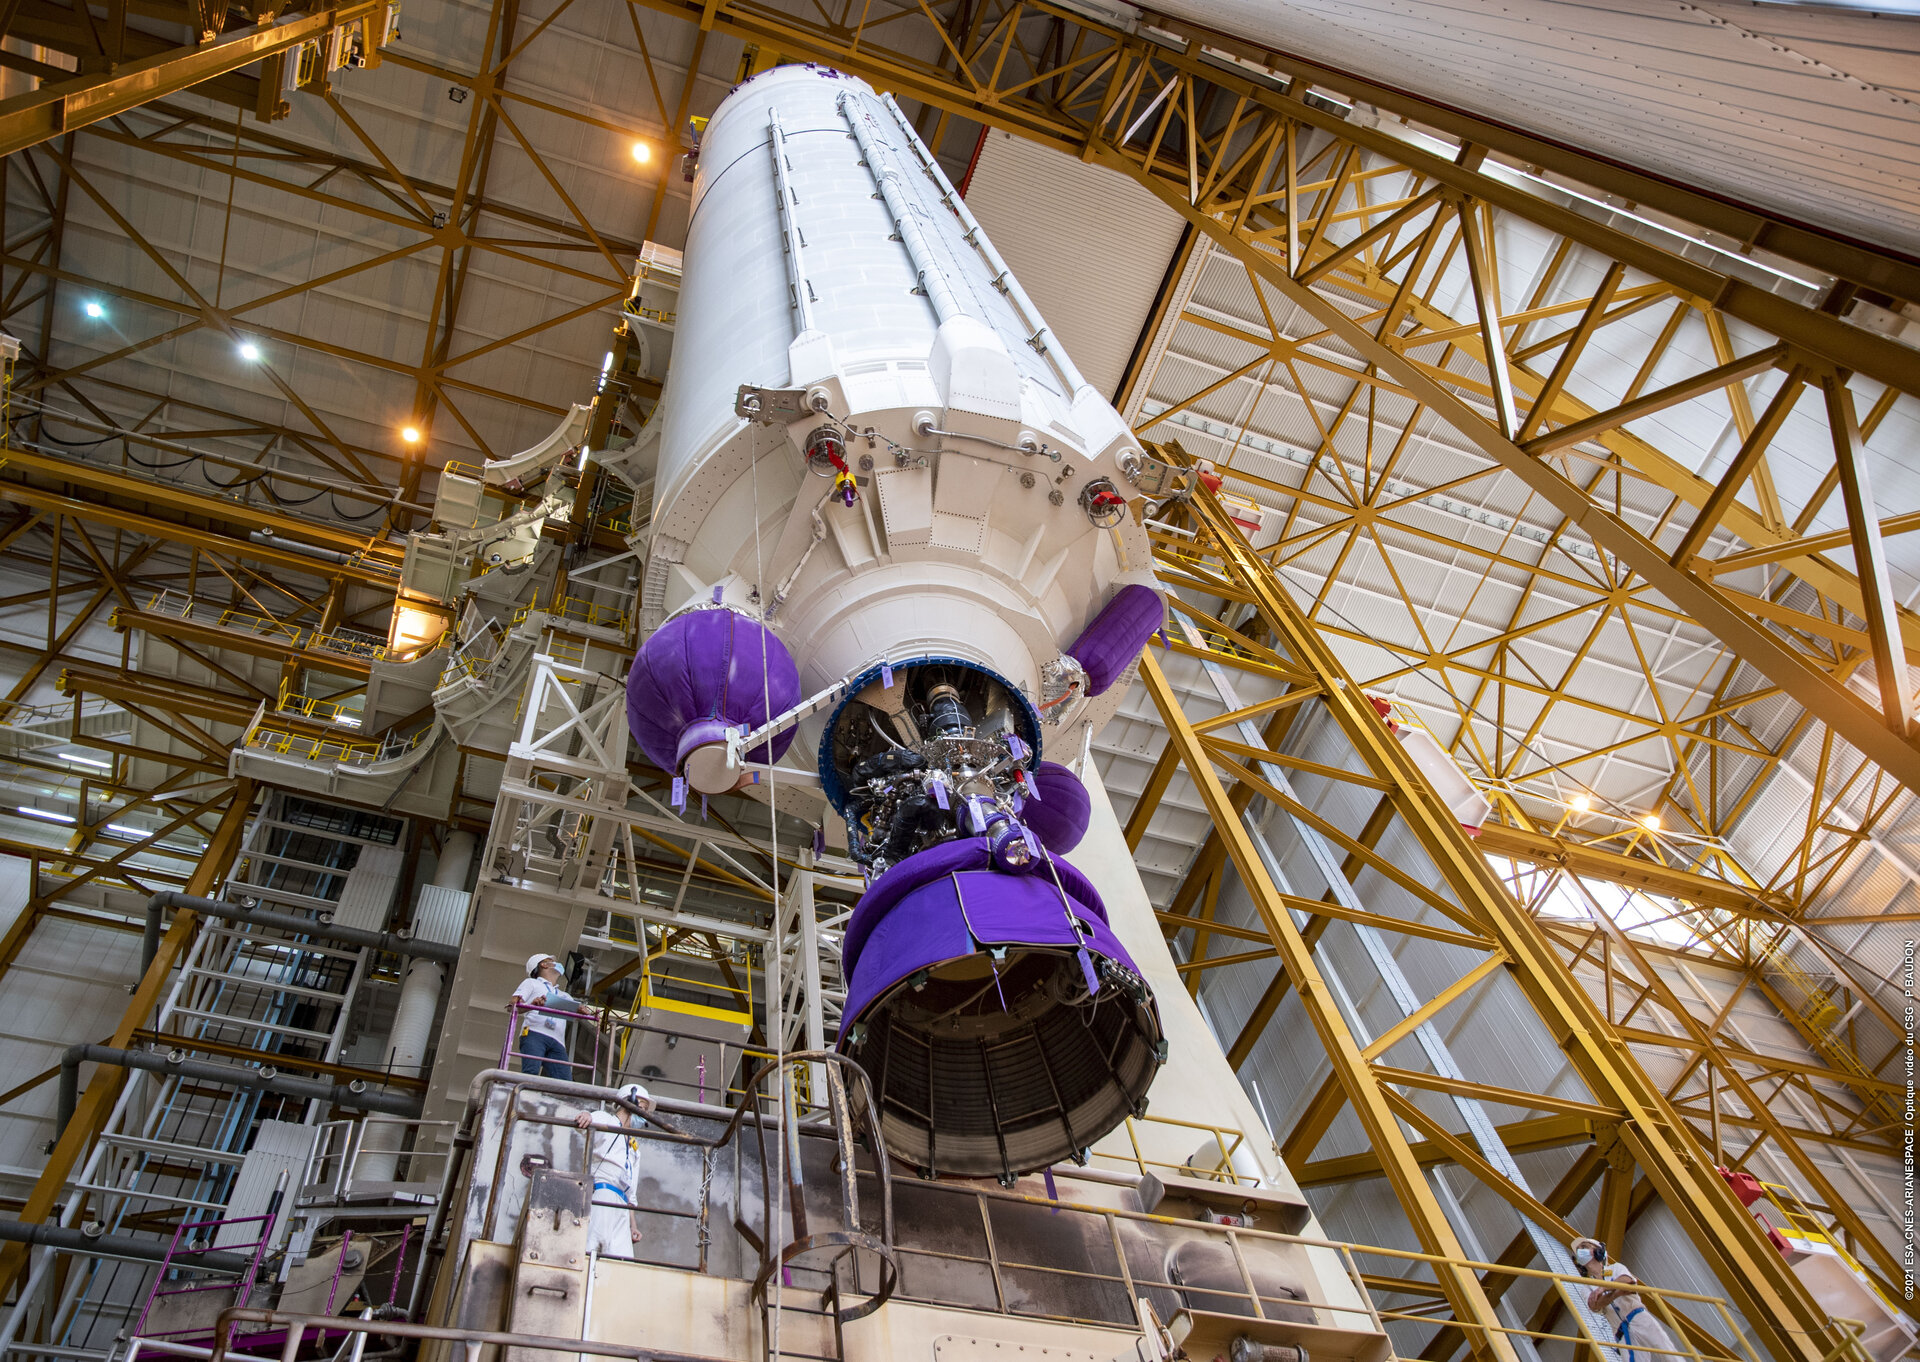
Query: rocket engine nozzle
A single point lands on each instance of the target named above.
(1004, 1026)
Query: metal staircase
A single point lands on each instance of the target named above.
(264, 1000)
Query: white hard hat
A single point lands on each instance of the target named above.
(535, 961)
(634, 1093)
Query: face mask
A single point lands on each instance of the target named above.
(1583, 1256)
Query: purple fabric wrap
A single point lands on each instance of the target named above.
(922, 920)
(1108, 646)
(1060, 815)
(701, 673)
(938, 862)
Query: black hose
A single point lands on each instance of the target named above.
(947, 717)
(904, 827)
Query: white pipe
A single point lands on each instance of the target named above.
(413, 1018)
(1048, 344)
(819, 535)
(802, 290)
(887, 176)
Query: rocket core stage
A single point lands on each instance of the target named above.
(880, 483)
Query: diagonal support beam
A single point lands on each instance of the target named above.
(99, 1097)
(1752, 450)
(1870, 560)
(1799, 676)
(29, 119)
(1706, 381)
(1362, 1089)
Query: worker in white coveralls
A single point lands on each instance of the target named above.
(1634, 1327)
(615, 1164)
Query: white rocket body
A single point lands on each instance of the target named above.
(875, 293)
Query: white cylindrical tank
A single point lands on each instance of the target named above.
(873, 464)
(829, 258)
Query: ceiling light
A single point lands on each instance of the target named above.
(411, 434)
(136, 833)
(1580, 803)
(42, 813)
(1651, 822)
(249, 351)
(94, 310)
(642, 152)
(76, 758)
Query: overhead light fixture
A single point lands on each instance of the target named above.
(137, 834)
(1579, 803)
(642, 152)
(249, 351)
(1651, 822)
(94, 310)
(411, 434)
(42, 813)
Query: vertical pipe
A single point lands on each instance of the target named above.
(1043, 338)
(413, 1019)
(933, 279)
(790, 240)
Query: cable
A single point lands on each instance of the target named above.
(145, 463)
(279, 500)
(334, 501)
(79, 444)
(776, 991)
(874, 719)
(237, 482)
(45, 412)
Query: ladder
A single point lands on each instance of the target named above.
(176, 1150)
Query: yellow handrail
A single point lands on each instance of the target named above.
(652, 314)
(1798, 1220)
(1818, 1012)
(576, 610)
(341, 642)
(263, 737)
(1226, 1139)
(312, 707)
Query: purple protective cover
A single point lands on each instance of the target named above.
(701, 673)
(1108, 646)
(1059, 816)
(910, 921)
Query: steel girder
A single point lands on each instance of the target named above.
(64, 106)
(97, 1102)
(1476, 908)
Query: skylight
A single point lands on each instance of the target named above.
(1559, 894)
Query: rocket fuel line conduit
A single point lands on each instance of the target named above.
(886, 175)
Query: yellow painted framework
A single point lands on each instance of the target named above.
(1645, 1123)
(1226, 150)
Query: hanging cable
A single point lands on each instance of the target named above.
(334, 501)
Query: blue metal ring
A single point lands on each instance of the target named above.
(1026, 722)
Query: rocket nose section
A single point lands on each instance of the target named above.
(1003, 1025)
